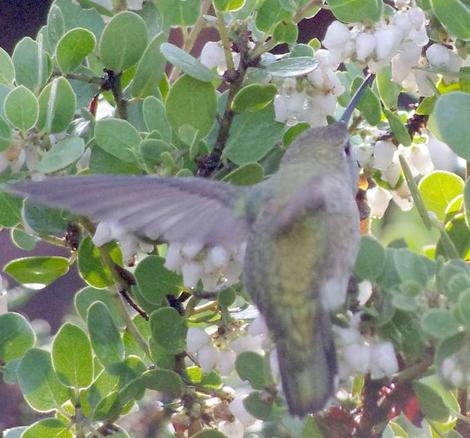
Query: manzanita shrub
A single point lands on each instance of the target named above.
(173, 347)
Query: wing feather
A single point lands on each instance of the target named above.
(174, 209)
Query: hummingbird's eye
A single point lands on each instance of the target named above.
(347, 149)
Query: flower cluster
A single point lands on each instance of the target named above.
(215, 266)
(383, 157)
(396, 40)
(455, 369)
(310, 98)
(358, 354)
(220, 351)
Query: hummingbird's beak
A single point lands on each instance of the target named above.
(355, 99)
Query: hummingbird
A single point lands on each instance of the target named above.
(301, 228)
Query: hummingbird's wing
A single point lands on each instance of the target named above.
(167, 208)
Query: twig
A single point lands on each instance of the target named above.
(113, 83)
(225, 43)
(210, 163)
(120, 284)
(133, 304)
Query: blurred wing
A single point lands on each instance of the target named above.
(172, 209)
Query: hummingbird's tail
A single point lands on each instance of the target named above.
(308, 375)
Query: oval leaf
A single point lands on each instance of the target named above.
(37, 272)
(16, 336)
(105, 337)
(123, 41)
(71, 356)
(168, 329)
(73, 48)
(38, 382)
(253, 97)
(351, 11)
(62, 154)
(47, 428)
(21, 108)
(454, 15)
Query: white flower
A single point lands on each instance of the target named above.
(233, 429)
(218, 256)
(192, 272)
(365, 291)
(192, 249)
(392, 173)
(3, 296)
(364, 155)
(173, 258)
(212, 55)
(387, 40)
(280, 108)
(384, 153)
(365, 45)
(207, 357)
(438, 55)
(337, 35)
(402, 197)
(246, 343)
(383, 360)
(240, 413)
(357, 357)
(378, 200)
(196, 338)
(418, 158)
(226, 361)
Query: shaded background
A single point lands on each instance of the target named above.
(19, 18)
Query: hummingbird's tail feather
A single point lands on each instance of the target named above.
(308, 375)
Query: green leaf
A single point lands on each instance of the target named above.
(228, 5)
(270, 13)
(179, 12)
(14, 432)
(163, 380)
(73, 48)
(252, 136)
(186, 63)
(32, 65)
(246, 175)
(192, 102)
(5, 135)
(118, 138)
(253, 97)
(369, 103)
(71, 356)
(370, 260)
(251, 366)
(209, 433)
(123, 41)
(47, 428)
(351, 11)
(464, 308)
(76, 16)
(398, 129)
(10, 210)
(90, 266)
(257, 407)
(7, 69)
(155, 281)
(411, 267)
(38, 382)
(290, 67)
(450, 121)
(38, 271)
(105, 337)
(438, 189)
(85, 297)
(23, 240)
(431, 403)
(55, 25)
(286, 32)
(155, 117)
(21, 108)
(16, 336)
(44, 219)
(62, 154)
(103, 163)
(454, 15)
(152, 151)
(150, 69)
(168, 329)
(459, 233)
(439, 323)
